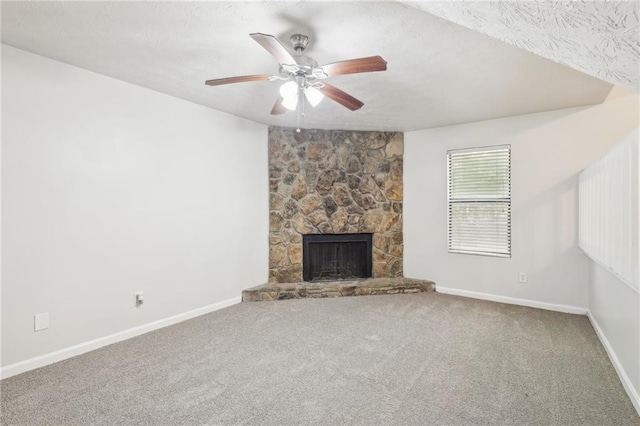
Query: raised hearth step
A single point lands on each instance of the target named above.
(361, 287)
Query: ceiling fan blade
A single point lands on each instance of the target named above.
(343, 98)
(278, 108)
(239, 79)
(273, 46)
(351, 66)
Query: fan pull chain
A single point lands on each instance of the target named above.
(300, 107)
(302, 101)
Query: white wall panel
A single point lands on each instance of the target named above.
(608, 211)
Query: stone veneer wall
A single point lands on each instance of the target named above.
(334, 182)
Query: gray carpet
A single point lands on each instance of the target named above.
(396, 359)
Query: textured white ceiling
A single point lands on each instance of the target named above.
(439, 73)
(600, 38)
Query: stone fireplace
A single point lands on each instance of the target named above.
(333, 183)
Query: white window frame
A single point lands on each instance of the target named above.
(454, 247)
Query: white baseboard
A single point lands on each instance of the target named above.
(513, 301)
(626, 383)
(62, 354)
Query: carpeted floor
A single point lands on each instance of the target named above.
(420, 359)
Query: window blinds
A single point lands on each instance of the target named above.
(479, 200)
(608, 217)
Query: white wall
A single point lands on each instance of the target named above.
(108, 189)
(614, 303)
(548, 151)
(615, 306)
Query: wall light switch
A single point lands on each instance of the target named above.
(41, 321)
(522, 277)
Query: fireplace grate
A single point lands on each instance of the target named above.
(336, 256)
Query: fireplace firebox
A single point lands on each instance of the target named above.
(336, 256)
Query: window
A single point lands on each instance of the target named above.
(479, 200)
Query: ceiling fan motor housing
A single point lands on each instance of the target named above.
(304, 64)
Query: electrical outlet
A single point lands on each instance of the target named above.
(41, 321)
(139, 298)
(522, 277)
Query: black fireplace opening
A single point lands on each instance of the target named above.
(327, 257)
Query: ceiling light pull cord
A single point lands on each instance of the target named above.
(300, 107)
(302, 100)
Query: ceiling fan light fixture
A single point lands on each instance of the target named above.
(302, 74)
(289, 93)
(290, 103)
(289, 90)
(313, 95)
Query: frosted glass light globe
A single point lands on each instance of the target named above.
(314, 96)
(289, 93)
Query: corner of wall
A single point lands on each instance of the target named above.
(616, 93)
(627, 383)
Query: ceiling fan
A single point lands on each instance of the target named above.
(303, 75)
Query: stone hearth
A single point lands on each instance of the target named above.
(365, 287)
(334, 182)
